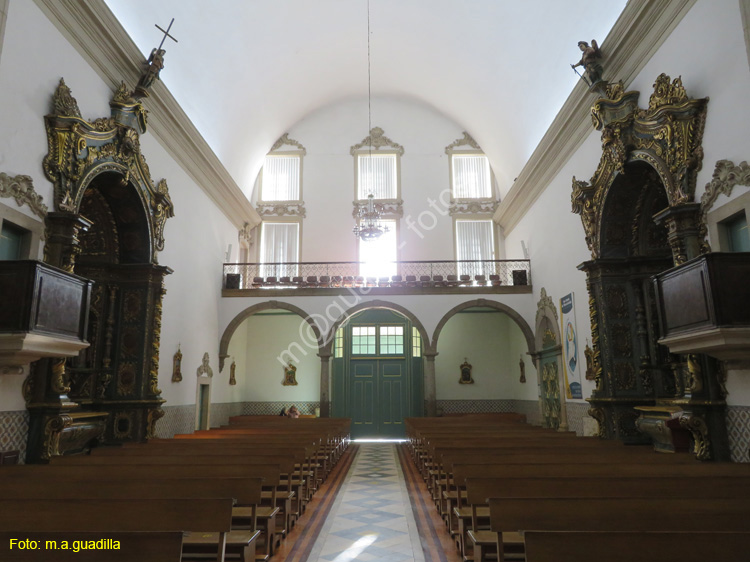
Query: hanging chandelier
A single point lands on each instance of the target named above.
(369, 225)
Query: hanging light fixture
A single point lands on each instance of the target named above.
(369, 224)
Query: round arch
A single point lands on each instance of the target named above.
(375, 304)
(248, 312)
(517, 318)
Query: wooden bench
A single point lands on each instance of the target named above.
(543, 546)
(115, 516)
(643, 514)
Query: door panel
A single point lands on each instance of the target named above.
(363, 399)
(393, 398)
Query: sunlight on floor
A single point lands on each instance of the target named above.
(356, 549)
(377, 440)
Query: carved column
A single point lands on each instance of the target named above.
(683, 230)
(62, 245)
(325, 384)
(430, 395)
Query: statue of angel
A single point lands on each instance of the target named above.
(590, 62)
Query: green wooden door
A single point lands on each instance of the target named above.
(378, 401)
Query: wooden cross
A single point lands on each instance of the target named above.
(166, 34)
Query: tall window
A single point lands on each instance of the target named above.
(416, 343)
(281, 178)
(471, 177)
(378, 257)
(377, 174)
(475, 240)
(279, 243)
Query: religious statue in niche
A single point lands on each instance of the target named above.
(522, 366)
(290, 375)
(233, 373)
(589, 353)
(592, 68)
(177, 365)
(466, 373)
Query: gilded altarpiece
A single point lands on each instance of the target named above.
(640, 219)
(107, 226)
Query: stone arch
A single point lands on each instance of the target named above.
(248, 312)
(376, 304)
(517, 318)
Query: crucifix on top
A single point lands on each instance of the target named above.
(154, 64)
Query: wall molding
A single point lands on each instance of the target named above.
(92, 29)
(638, 33)
(21, 188)
(745, 13)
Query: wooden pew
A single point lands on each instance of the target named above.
(480, 488)
(145, 472)
(639, 515)
(543, 546)
(117, 516)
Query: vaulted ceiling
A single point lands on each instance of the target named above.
(245, 71)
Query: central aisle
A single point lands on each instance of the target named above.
(372, 517)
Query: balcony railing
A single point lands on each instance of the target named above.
(416, 275)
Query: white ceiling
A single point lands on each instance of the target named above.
(245, 71)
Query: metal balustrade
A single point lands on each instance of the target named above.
(460, 275)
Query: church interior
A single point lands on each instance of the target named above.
(455, 227)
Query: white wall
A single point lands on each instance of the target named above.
(266, 337)
(493, 344)
(708, 50)
(34, 58)
(328, 176)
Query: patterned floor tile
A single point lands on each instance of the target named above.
(372, 520)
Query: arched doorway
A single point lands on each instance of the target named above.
(377, 372)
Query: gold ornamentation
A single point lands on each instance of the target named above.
(154, 415)
(285, 140)
(64, 103)
(598, 415)
(27, 390)
(122, 425)
(290, 375)
(666, 93)
(233, 373)
(153, 375)
(465, 373)
(21, 189)
(726, 175)
(377, 140)
(53, 427)
(177, 366)
(699, 430)
(667, 136)
(205, 368)
(466, 140)
(59, 381)
(126, 378)
(123, 95)
(551, 395)
(694, 382)
(589, 355)
(79, 150)
(549, 339)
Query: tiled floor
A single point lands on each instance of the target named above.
(372, 518)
